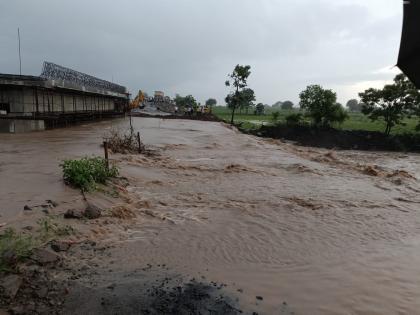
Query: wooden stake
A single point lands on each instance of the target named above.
(106, 154)
(139, 141)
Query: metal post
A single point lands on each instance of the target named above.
(106, 154)
(20, 58)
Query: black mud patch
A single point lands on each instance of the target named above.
(340, 139)
(165, 296)
(200, 117)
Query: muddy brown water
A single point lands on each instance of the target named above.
(326, 232)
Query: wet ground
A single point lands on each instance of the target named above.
(324, 232)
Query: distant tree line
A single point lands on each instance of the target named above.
(391, 104)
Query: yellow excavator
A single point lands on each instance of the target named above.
(138, 101)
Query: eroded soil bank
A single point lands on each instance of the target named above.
(331, 138)
(218, 221)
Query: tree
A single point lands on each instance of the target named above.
(392, 103)
(211, 102)
(287, 105)
(275, 116)
(185, 102)
(259, 109)
(240, 94)
(277, 104)
(321, 106)
(354, 106)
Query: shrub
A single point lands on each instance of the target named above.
(124, 142)
(294, 119)
(275, 116)
(14, 248)
(87, 172)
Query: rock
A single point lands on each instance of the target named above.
(9, 257)
(73, 214)
(42, 292)
(60, 246)
(27, 208)
(17, 310)
(52, 203)
(92, 212)
(45, 256)
(10, 285)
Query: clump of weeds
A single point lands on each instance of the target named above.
(14, 248)
(87, 172)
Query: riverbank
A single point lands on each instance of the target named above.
(331, 138)
(270, 226)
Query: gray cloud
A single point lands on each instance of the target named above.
(189, 46)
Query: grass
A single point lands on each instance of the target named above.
(14, 248)
(356, 121)
(49, 229)
(17, 247)
(86, 173)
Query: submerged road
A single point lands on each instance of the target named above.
(326, 232)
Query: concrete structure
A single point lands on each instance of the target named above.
(58, 97)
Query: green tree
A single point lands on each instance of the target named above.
(287, 105)
(275, 116)
(321, 106)
(247, 98)
(185, 101)
(259, 109)
(391, 103)
(277, 104)
(239, 95)
(354, 106)
(211, 102)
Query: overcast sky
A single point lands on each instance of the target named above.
(189, 46)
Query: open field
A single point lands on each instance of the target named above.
(356, 121)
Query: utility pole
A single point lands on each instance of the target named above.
(20, 58)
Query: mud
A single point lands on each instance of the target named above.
(341, 139)
(307, 230)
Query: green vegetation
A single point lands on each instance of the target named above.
(14, 248)
(49, 229)
(184, 102)
(321, 106)
(392, 103)
(356, 121)
(294, 119)
(211, 102)
(86, 173)
(240, 96)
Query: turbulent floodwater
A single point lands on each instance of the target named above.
(327, 232)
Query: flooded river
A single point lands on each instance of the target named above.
(326, 232)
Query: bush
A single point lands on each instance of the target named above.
(87, 172)
(14, 248)
(275, 116)
(124, 142)
(294, 119)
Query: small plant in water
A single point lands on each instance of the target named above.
(14, 248)
(86, 173)
(124, 142)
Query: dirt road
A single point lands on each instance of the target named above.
(281, 228)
